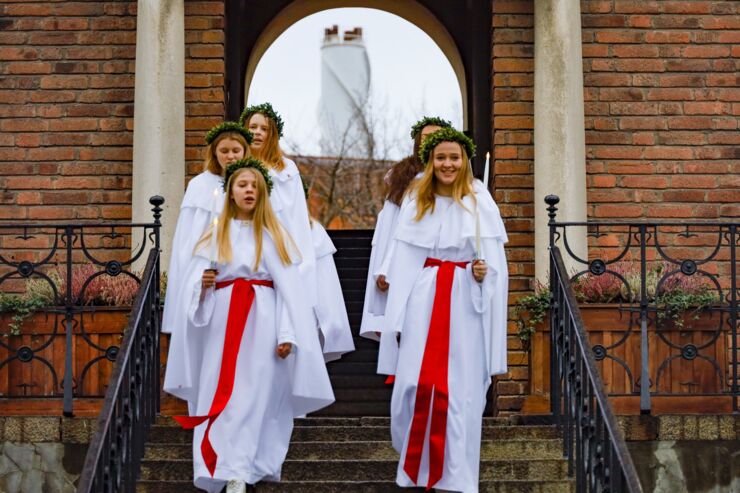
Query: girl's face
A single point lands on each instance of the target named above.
(428, 130)
(260, 128)
(244, 192)
(447, 162)
(228, 151)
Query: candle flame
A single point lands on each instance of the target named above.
(488, 154)
(215, 192)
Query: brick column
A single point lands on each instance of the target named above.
(559, 135)
(159, 113)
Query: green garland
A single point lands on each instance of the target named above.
(445, 135)
(249, 162)
(426, 121)
(267, 110)
(228, 127)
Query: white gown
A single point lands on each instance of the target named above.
(252, 434)
(288, 200)
(477, 337)
(330, 312)
(375, 300)
(194, 218)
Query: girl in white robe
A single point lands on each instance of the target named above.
(227, 143)
(398, 180)
(330, 312)
(448, 301)
(287, 198)
(264, 353)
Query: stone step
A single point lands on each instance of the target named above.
(515, 486)
(340, 421)
(359, 470)
(171, 434)
(377, 450)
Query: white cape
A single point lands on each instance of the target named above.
(477, 326)
(194, 218)
(251, 436)
(330, 311)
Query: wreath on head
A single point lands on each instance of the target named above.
(445, 135)
(249, 162)
(428, 120)
(228, 127)
(267, 110)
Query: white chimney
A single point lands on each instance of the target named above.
(345, 87)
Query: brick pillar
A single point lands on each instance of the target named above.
(159, 113)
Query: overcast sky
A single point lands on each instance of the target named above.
(411, 77)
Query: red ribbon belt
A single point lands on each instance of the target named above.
(240, 304)
(433, 377)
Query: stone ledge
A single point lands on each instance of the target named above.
(680, 427)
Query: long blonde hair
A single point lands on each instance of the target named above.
(264, 219)
(424, 186)
(210, 163)
(270, 153)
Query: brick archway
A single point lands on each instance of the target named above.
(460, 29)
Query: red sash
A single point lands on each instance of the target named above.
(433, 378)
(242, 296)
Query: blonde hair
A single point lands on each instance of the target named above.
(210, 163)
(264, 219)
(270, 153)
(424, 186)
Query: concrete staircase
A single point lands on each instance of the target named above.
(354, 455)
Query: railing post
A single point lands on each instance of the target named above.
(552, 201)
(68, 382)
(156, 201)
(733, 312)
(645, 403)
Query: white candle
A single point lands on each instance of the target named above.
(214, 242)
(486, 170)
(214, 203)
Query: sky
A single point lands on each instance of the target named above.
(410, 77)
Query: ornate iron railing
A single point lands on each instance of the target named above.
(597, 454)
(132, 399)
(673, 289)
(57, 274)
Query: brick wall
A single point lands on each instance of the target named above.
(513, 166)
(66, 107)
(662, 108)
(204, 76)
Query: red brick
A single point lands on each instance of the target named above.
(644, 181)
(618, 211)
(713, 108)
(670, 210)
(693, 181)
(667, 37)
(684, 196)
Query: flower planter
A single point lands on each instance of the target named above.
(614, 335)
(38, 352)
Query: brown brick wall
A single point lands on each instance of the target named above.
(67, 102)
(204, 76)
(662, 108)
(513, 166)
(66, 107)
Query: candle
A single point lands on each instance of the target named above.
(486, 170)
(214, 203)
(477, 232)
(214, 243)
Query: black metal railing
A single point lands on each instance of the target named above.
(132, 399)
(53, 280)
(672, 288)
(592, 442)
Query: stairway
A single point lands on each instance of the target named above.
(354, 455)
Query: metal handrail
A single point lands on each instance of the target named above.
(596, 450)
(132, 399)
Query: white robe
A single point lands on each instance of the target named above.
(330, 312)
(252, 434)
(375, 300)
(288, 200)
(477, 327)
(194, 218)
